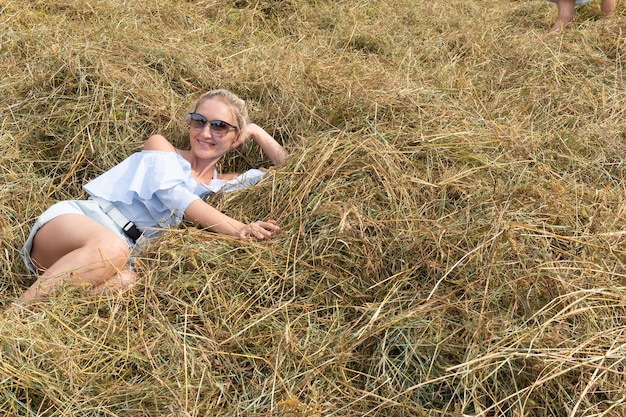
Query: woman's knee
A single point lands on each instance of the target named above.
(112, 251)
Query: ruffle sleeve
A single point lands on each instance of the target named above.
(144, 176)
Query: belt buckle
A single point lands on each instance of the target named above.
(131, 231)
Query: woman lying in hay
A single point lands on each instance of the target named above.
(90, 241)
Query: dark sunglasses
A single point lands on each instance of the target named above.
(198, 121)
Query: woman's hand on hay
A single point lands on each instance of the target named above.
(259, 230)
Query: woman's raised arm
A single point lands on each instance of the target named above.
(266, 142)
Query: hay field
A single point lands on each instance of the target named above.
(453, 209)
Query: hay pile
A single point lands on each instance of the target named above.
(453, 210)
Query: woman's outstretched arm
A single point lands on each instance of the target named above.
(206, 216)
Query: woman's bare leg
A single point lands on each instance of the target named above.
(565, 15)
(74, 248)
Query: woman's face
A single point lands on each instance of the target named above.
(212, 140)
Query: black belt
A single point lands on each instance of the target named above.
(128, 227)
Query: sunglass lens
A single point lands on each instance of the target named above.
(219, 126)
(197, 120)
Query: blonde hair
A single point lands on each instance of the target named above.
(237, 105)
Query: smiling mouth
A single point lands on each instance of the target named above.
(205, 143)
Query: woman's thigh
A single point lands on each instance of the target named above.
(68, 233)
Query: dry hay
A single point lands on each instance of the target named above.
(452, 210)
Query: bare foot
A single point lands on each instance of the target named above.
(124, 280)
(565, 16)
(558, 26)
(18, 309)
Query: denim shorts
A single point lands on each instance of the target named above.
(87, 208)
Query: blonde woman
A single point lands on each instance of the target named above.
(90, 241)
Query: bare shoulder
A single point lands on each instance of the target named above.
(158, 143)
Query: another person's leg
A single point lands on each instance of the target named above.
(565, 15)
(607, 7)
(74, 248)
